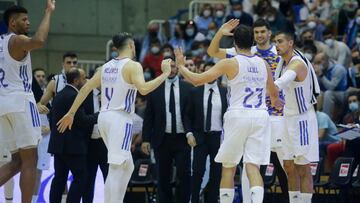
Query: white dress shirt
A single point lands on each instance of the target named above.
(179, 124)
(216, 121)
(96, 96)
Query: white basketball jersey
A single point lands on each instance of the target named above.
(116, 94)
(15, 79)
(299, 95)
(247, 90)
(60, 82)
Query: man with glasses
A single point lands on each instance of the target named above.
(58, 82)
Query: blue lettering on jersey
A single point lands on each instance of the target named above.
(2, 78)
(24, 76)
(252, 69)
(111, 70)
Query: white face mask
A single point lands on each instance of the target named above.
(271, 18)
(357, 40)
(219, 14)
(309, 56)
(155, 50)
(167, 53)
(329, 42)
(311, 24)
(358, 20)
(207, 13)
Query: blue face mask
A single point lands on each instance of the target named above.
(114, 54)
(354, 106)
(237, 14)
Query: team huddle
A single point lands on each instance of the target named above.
(271, 93)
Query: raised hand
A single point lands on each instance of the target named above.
(227, 27)
(50, 5)
(166, 66)
(65, 122)
(179, 56)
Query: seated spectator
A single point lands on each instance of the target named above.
(177, 40)
(301, 12)
(190, 31)
(317, 26)
(352, 30)
(307, 37)
(211, 31)
(152, 61)
(340, 52)
(205, 18)
(327, 132)
(238, 13)
(333, 83)
(261, 7)
(278, 22)
(152, 34)
(219, 14)
(323, 10)
(309, 51)
(167, 50)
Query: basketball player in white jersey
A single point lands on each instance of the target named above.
(300, 143)
(265, 50)
(120, 79)
(246, 122)
(58, 82)
(19, 119)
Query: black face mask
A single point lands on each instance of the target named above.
(153, 34)
(356, 61)
(308, 42)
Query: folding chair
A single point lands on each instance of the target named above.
(142, 177)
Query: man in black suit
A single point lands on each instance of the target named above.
(164, 126)
(69, 148)
(205, 111)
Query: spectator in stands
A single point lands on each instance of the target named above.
(167, 50)
(333, 83)
(307, 37)
(327, 132)
(238, 13)
(205, 18)
(152, 61)
(152, 34)
(190, 30)
(261, 8)
(309, 51)
(345, 10)
(323, 10)
(301, 12)
(317, 26)
(177, 40)
(340, 52)
(211, 31)
(219, 14)
(352, 30)
(278, 22)
(189, 63)
(140, 105)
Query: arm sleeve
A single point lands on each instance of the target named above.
(285, 79)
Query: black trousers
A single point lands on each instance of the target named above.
(173, 148)
(62, 165)
(281, 174)
(209, 146)
(96, 157)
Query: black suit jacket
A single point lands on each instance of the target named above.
(195, 111)
(72, 141)
(155, 114)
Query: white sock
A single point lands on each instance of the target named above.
(294, 196)
(9, 189)
(245, 187)
(306, 197)
(226, 195)
(257, 194)
(63, 198)
(34, 199)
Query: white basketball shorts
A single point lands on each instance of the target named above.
(246, 133)
(301, 141)
(116, 130)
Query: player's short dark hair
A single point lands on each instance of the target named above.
(121, 39)
(69, 54)
(261, 22)
(13, 10)
(288, 35)
(243, 37)
(72, 75)
(38, 69)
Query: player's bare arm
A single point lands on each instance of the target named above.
(214, 49)
(136, 77)
(19, 45)
(68, 119)
(221, 68)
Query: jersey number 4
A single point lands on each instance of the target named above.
(250, 92)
